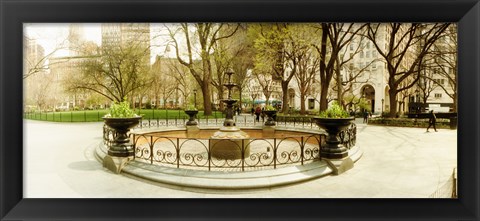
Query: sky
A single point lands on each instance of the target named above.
(50, 35)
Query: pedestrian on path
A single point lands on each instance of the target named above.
(432, 121)
(365, 116)
(258, 111)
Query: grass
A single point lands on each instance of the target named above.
(96, 115)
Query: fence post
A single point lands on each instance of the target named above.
(151, 149)
(209, 155)
(274, 153)
(302, 148)
(178, 152)
(243, 155)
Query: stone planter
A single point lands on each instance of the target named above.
(121, 146)
(192, 120)
(270, 121)
(333, 149)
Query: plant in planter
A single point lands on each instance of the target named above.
(334, 120)
(271, 113)
(121, 119)
(192, 112)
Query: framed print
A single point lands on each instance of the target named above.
(21, 196)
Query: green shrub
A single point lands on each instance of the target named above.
(270, 108)
(190, 107)
(121, 110)
(334, 111)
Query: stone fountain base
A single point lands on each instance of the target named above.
(228, 143)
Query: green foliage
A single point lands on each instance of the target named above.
(334, 111)
(190, 107)
(121, 110)
(270, 108)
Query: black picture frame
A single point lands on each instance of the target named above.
(14, 13)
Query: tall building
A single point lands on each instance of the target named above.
(34, 75)
(117, 36)
(372, 84)
(75, 39)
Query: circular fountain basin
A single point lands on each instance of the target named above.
(178, 157)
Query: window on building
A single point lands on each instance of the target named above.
(368, 54)
(311, 103)
(374, 65)
(351, 47)
(440, 81)
(361, 54)
(438, 95)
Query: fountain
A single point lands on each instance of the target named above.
(229, 142)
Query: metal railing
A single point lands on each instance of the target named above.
(240, 121)
(448, 189)
(256, 153)
(253, 153)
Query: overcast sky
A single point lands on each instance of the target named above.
(50, 35)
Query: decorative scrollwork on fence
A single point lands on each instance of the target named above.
(109, 136)
(348, 136)
(199, 153)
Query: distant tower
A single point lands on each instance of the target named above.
(121, 35)
(76, 39)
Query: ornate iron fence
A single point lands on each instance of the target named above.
(241, 121)
(348, 137)
(255, 152)
(448, 189)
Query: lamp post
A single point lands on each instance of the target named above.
(195, 97)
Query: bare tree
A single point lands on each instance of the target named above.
(265, 80)
(273, 45)
(35, 64)
(206, 35)
(183, 83)
(116, 73)
(443, 61)
(403, 52)
(334, 37)
(308, 63)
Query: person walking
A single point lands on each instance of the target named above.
(432, 121)
(258, 111)
(253, 111)
(365, 116)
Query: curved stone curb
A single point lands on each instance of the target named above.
(228, 179)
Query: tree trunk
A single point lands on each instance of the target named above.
(454, 109)
(339, 85)
(207, 103)
(323, 98)
(285, 104)
(393, 103)
(302, 103)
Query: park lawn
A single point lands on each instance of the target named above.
(96, 115)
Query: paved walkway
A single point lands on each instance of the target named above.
(396, 163)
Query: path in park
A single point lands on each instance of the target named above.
(397, 163)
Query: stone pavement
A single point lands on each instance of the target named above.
(397, 162)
